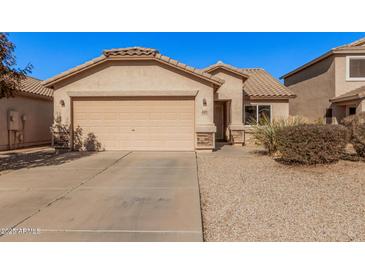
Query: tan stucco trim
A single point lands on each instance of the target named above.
(135, 93)
(236, 127)
(203, 128)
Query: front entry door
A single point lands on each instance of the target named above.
(219, 120)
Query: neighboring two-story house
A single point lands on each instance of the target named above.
(331, 86)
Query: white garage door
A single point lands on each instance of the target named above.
(137, 124)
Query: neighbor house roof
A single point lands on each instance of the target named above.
(354, 47)
(358, 93)
(133, 53)
(261, 84)
(221, 65)
(33, 86)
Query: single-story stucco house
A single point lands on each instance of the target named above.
(25, 119)
(137, 99)
(331, 86)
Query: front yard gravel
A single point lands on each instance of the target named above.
(247, 196)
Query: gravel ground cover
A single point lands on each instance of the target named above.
(247, 196)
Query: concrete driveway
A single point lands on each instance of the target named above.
(106, 196)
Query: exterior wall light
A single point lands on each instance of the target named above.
(205, 107)
(204, 102)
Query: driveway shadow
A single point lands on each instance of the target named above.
(16, 160)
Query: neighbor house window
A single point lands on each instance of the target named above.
(352, 110)
(355, 68)
(256, 114)
(329, 113)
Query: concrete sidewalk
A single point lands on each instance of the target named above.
(107, 196)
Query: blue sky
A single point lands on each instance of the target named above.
(278, 53)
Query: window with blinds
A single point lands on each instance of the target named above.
(356, 67)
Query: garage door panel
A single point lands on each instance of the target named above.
(137, 124)
(170, 123)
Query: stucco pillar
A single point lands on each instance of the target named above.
(204, 128)
(236, 128)
(361, 106)
(338, 113)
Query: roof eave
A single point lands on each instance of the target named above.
(270, 97)
(73, 71)
(166, 60)
(216, 67)
(347, 98)
(322, 57)
(159, 58)
(33, 95)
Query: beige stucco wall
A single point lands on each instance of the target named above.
(39, 117)
(341, 84)
(138, 77)
(231, 90)
(313, 87)
(279, 108)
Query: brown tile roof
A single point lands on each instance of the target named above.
(358, 93)
(356, 46)
(131, 53)
(34, 86)
(260, 83)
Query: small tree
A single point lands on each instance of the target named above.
(10, 77)
(265, 133)
(60, 133)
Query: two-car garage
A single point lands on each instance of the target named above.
(137, 123)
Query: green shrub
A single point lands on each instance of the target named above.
(356, 126)
(265, 133)
(311, 144)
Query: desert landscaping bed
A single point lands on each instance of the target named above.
(247, 196)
